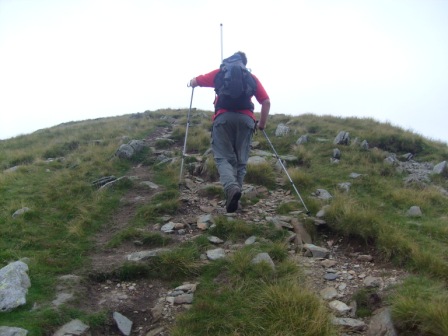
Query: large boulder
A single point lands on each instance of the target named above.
(343, 138)
(281, 130)
(440, 168)
(14, 284)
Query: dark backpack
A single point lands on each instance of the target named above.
(234, 85)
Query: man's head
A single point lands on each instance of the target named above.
(243, 56)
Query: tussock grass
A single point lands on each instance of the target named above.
(261, 174)
(198, 140)
(232, 230)
(211, 170)
(300, 178)
(152, 211)
(304, 156)
(173, 265)
(352, 218)
(420, 307)
(256, 302)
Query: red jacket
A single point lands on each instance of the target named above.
(208, 80)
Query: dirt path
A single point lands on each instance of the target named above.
(144, 301)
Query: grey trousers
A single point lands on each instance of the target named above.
(231, 136)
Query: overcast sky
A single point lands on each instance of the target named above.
(74, 60)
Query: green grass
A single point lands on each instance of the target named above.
(235, 297)
(261, 174)
(420, 307)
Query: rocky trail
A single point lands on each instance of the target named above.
(336, 268)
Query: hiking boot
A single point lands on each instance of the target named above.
(233, 196)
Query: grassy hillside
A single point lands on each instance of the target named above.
(51, 172)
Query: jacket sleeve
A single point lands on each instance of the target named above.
(261, 94)
(208, 79)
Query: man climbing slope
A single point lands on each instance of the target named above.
(234, 121)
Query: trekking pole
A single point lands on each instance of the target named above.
(284, 169)
(186, 136)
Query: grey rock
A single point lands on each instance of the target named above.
(316, 251)
(364, 257)
(262, 153)
(256, 160)
(215, 240)
(62, 298)
(168, 227)
(328, 293)
(321, 212)
(302, 140)
(251, 240)
(440, 168)
(143, 255)
(345, 186)
(328, 263)
(183, 299)
(364, 145)
(13, 331)
(123, 323)
(323, 194)
(20, 212)
(149, 184)
(138, 145)
(336, 153)
(125, 151)
(331, 276)
(281, 130)
(263, 257)
(289, 158)
(155, 332)
(12, 169)
(204, 222)
(343, 138)
(371, 281)
(73, 328)
(14, 284)
(339, 307)
(414, 211)
(392, 160)
(350, 324)
(381, 323)
(216, 254)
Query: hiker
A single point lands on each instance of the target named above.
(234, 121)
